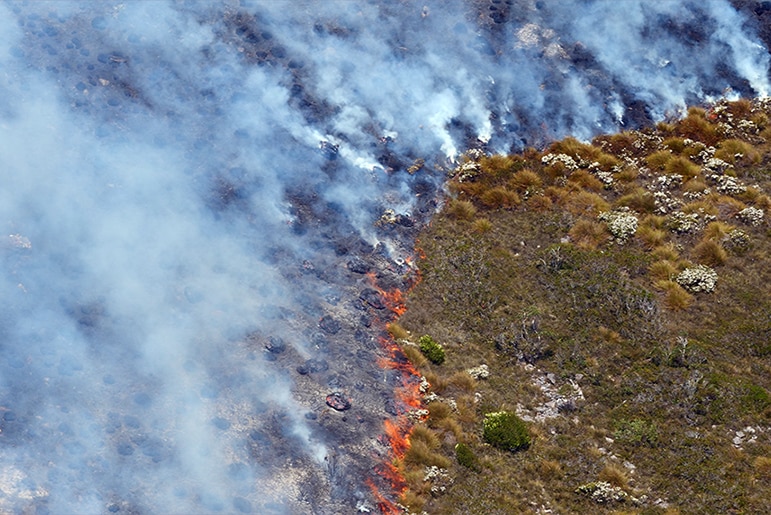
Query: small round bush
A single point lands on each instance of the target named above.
(465, 456)
(432, 350)
(505, 430)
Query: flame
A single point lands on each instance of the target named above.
(407, 395)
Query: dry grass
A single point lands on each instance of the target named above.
(462, 381)
(525, 180)
(586, 203)
(397, 332)
(584, 180)
(627, 175)
(684, 167)
(663, 270)
(500, 198)
(658, 161)
(482, 225)
(737, 152)
(540, 203)
(709, 252)
(461, 209)
(695, 185)
(589, 235)
(640, 200)
(415, 356)
(668, 251)
(651, 237)
(675, 297)
(614, 475)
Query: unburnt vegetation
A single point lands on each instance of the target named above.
(618, 293)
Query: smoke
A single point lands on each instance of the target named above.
(182, 182)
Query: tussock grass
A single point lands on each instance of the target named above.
(525, 180)
(588, 234)
(653, 361)
(615, 475)
(461, 209)
(709, 252)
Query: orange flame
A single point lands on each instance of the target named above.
(408, 396)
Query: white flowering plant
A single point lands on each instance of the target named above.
(699, 278)
(622, 223)
(751, 216)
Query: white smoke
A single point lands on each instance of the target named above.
(151, 154)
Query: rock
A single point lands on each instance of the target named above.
(338, 401)
(313, 365)
(358, 266)
(373, 298)
(275, 345)
(329, 325)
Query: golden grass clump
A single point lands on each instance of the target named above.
(651, 236)
(500, 198)
(737, 152)
(628, 174)
(663, 270)
(703, 207)
(396, 331)
(421, 453)
(639, 199)
(695, 126)
(575, 149)
(584, 180)
(540, 203)
(614, 475)
(585, 203)
(607, 162)
(675, 297)
(437, 382)
(682, 166)
(467, 409)
(695, 185)
(482, 225)
(463, 381)
(497, 163)
(667, 251)
(461, 209)
(588, 234)
(717, 230)
(675, 144)
(414, 355)
(609, 335)
(438, 410)
(658, 160)
(525, 180)
(709, 252)
(556, 194)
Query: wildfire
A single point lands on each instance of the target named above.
(408, 397)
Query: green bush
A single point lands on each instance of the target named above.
(505, 430)
(636, 431)
(465, 456)
(432, 350)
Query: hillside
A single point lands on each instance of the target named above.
(618, 294)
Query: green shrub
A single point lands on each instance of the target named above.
(637, 431)
(505, 430)
(465, 456)
(432, 350)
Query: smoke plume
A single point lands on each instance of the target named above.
(189, 195)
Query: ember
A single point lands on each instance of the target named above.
(338, 401)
